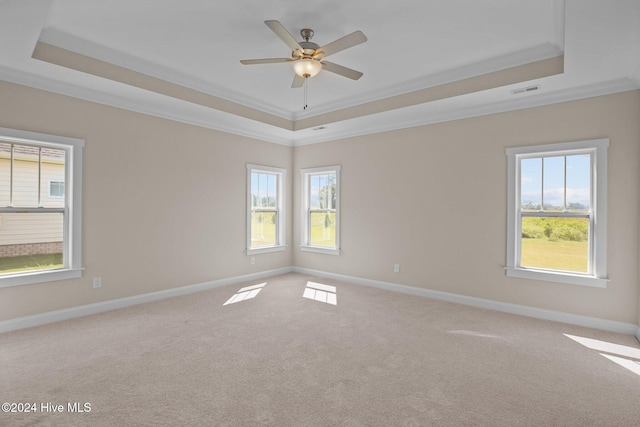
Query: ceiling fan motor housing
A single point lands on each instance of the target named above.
(309, 50)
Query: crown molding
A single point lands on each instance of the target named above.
(483, 83)
(528, 56)
(156, 105)
(407, 117)
(416, 116)
(63, 40)
(56, 39)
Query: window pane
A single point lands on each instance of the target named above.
(579, 182)
(555, 243)
(554, 183)
(30, 241)
(5, 173)
(330, 191)
(263, 229)
(52, 172)
(531, 184)
(25, 176)
(314, 192)
(254, 190)
(272, 191)
(262, 190)
(322, 229)
(323, 191)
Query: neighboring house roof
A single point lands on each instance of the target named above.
(26, 152)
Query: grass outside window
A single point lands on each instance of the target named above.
(30, 263)
(555, 244)
(263, 229)
(323, 229)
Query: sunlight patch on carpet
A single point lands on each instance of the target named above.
(625, 356)
(472, 334)
(321, 293)
(246, 293)
(625, 363)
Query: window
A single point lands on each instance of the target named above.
(557, 218)
(56, 189)
(40, 206)
(321, 209)
(265, 216)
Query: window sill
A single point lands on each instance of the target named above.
(553, 276)
(320, 250)
(266, 250)
(38, 277)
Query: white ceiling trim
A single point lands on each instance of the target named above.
(516, 59)
(156, 105)
(418, 115)
(69, 42)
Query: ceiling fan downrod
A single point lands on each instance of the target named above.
(305, 94)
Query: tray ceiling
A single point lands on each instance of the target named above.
(423, 62)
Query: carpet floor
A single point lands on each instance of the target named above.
(365, 357)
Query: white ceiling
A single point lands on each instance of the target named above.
(412, 45)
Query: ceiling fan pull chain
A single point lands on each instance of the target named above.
(305, 94)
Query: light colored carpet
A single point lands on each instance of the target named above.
(376, 358)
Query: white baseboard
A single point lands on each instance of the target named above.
(539, 313)
(84, 310)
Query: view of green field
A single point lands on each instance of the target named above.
(263, 229)
(549, 243)
(555, 243)
(323, 229)
(560, 255)
(31, 262)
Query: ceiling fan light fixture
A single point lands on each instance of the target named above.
(307, 67)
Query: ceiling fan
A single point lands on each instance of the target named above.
(308, 57)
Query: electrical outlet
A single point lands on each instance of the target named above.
(253, 260)
(97, 282)
(396, 268)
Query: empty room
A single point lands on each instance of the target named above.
(323, 213)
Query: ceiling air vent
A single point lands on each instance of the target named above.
(525, 89)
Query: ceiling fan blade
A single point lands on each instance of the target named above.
(264, 61)
(343, 71)
(343, 43)
(297, 81)
(282, 32)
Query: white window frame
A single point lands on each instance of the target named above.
(597, 275)
(72, 224)
(281, 177)
(306, 199)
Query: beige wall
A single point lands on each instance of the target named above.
(164, 202)
(433, 199)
